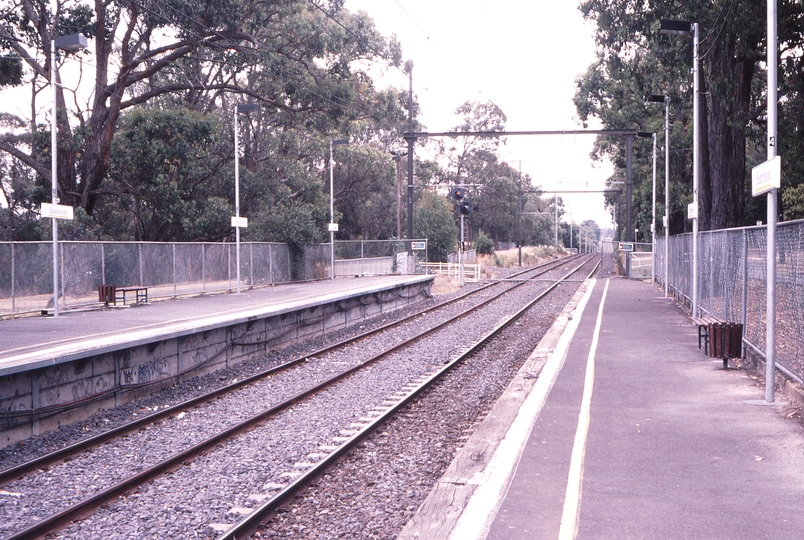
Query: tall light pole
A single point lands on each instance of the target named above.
(666, 218)
(570, 224)
(66, 43)
(653, 212)
(398, 159)
(653, 220)
(556, 223)
(236, 221)
(332, 225)
(684, 28)
(770, 315)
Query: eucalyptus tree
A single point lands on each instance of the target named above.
(635, 60)
(294, 57)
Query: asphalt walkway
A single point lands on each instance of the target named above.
(31, 342)
(628, 432)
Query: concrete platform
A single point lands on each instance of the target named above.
(628, 431)
(85, 361)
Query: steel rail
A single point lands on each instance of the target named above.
(250, 523)
(13, 473)
(88, 505)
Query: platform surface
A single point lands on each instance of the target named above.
(670, 445)
(31, 342)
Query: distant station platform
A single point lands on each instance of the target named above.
(60, 369)
(618, 427)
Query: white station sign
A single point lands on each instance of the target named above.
(692, 210)
(241, 222)
(57, 211)
(766, 176)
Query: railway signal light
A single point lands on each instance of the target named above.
(457, 193)
(466, 208)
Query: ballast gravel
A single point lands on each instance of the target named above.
(370, 494)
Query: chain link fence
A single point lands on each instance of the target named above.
(377, 257)
(173, 269)
(732, 284)
(167, 269)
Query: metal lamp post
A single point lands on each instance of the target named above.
(332, 225)
(653, 220)
(236, 221)
(684, 28)
(666, 218)
(770, 315)
(73, 42)
(653, 212)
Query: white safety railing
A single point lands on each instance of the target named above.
(471, 272)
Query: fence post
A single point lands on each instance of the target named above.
(13, 280)
(139, 262)
(271, 263)
(61, 271)
(745, 285)
(203, 266)
(174, 269)
(727, 281)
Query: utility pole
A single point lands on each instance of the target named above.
(519, 215)
(556, 223)
(398, 159)
(410, 138)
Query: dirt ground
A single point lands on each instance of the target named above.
(492, 264)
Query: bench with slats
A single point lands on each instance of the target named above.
(703, 329)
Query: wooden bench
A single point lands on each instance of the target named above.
(703, 329)
(110, 294)
(140, 294)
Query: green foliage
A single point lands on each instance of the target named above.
(793, 201)
(292, 223)
(635, 60)
(484, 245)
(365, 193)
(10, 71)
(299, 60)
(165, 174)
(433, 220)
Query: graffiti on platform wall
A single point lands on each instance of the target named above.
(153, 370)
(89, 387)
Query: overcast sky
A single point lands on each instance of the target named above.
(524, 56)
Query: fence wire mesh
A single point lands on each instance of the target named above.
(167, 269)
(732, 283)
(172, 269)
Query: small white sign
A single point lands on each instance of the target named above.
(241, 222)
(692, 210)
(402, 263)
(417, 246)
(626, 246)
(766, 176)
(57, 211)
(333, 227)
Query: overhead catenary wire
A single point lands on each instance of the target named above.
(722, 26)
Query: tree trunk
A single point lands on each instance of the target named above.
(727, 103)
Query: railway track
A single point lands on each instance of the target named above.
(319, 376)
